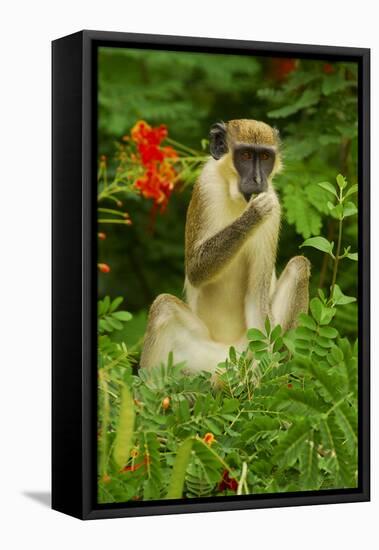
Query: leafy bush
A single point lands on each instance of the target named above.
(281, 417)
(313, 103)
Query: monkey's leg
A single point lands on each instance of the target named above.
(172, 326)
(291, 295)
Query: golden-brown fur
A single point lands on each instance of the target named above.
(251, 131)
(230, 255)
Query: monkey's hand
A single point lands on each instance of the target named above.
(263, 205)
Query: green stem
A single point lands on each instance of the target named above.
(218, 457)
(183, 147)
(242, 481)
(336, 405)
(337, 258)
(103, 220)
(111, 211)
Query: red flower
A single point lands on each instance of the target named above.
(209, 438)
(150, 153)
(133, 467)
(144, 133)
(227, 482)
(281, 68)
(328, 68)
(157, 181)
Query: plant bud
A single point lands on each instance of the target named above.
(165, 403)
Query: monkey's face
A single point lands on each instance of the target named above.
(250, 149)
(254, 164)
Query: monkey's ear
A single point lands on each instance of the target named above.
(217, 140)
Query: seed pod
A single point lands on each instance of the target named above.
(125, 426)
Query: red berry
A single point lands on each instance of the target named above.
(104, 268)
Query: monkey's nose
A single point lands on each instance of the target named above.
(247, 195)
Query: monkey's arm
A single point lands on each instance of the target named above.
(207, 259)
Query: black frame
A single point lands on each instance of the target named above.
(74, 387)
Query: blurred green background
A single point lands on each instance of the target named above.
(313, 103)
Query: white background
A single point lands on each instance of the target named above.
(26, 31)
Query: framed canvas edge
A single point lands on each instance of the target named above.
(87, 461)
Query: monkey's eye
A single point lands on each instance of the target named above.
(264, 155)
(246, 155)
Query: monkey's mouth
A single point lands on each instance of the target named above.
(247, 196)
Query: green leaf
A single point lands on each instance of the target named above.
(278, 344)
(309, 463)
(106, 304)
(232, 354)
(230, 405)
(328, 187)
(327, 378)
(104, 325)
(114, 323)
(308, 98)
(349, 209)
(122, 315)
(316, 308)
(300, 212)
(290, 445)
(275, 333)
(343, 463)
(307, 321)
(336, 210)
(303, 333)
(353, 189)
(184, 411)
(336, 354)
(341, 181)
(339, 298)
(208, 460)
(320, 243)
(352, 256)
(332, 83)
(346, 418)
(328, 332)
(308, 399)
(115, 304)
(257, 345)
(267, 326)
(327, 315)
(324, 342)
(204, 144)
(253, 334)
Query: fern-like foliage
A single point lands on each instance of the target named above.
(283, 417)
